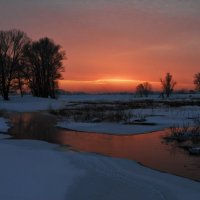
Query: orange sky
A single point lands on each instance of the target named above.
(113, 45)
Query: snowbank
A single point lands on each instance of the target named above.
(30, 104)
(3, 125)
(37, 170)
(32, 170)
(117, 179)
(3, 128)
(29, 172)
(160, 118)
(110, 128)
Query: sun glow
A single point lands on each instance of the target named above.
(117, 80)
(103, 85)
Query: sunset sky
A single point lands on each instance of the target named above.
(112, 45)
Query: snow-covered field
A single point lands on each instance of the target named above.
(3, 125)
(32, 104)
(39, 170)
(109, 128)
(35, 170)
(161, 117)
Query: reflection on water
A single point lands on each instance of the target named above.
(33, 126)
(148, 149)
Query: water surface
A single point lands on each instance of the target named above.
(148, 149)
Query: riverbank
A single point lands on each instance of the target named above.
(40, 170)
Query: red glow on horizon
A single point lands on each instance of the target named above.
(109, 85)
(109, 45)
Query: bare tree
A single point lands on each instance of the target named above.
(11, 55)
(197, 81)
(143, 89)
(19, 81)
(147, 88)
(44, 66)
(140, 90)
(168, 84)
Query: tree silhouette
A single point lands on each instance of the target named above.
(12, 43)
(140, 89)
(43, 66)
(19, 79)
(168, 84)
(143, 89)
(197, 81)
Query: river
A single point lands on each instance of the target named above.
(148, 149)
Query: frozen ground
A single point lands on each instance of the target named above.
(3, 125)
(33, 104)
(109, 128)
(38, 170)
(32, 170)
(30, 104)
(3, 128)
(161, 118)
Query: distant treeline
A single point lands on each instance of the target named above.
(37, 65)
(168, 84)
(24, 63)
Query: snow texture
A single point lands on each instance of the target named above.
(3, 125)
(33, 104)
(161, 117)
(109, 128)
(32, 170)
